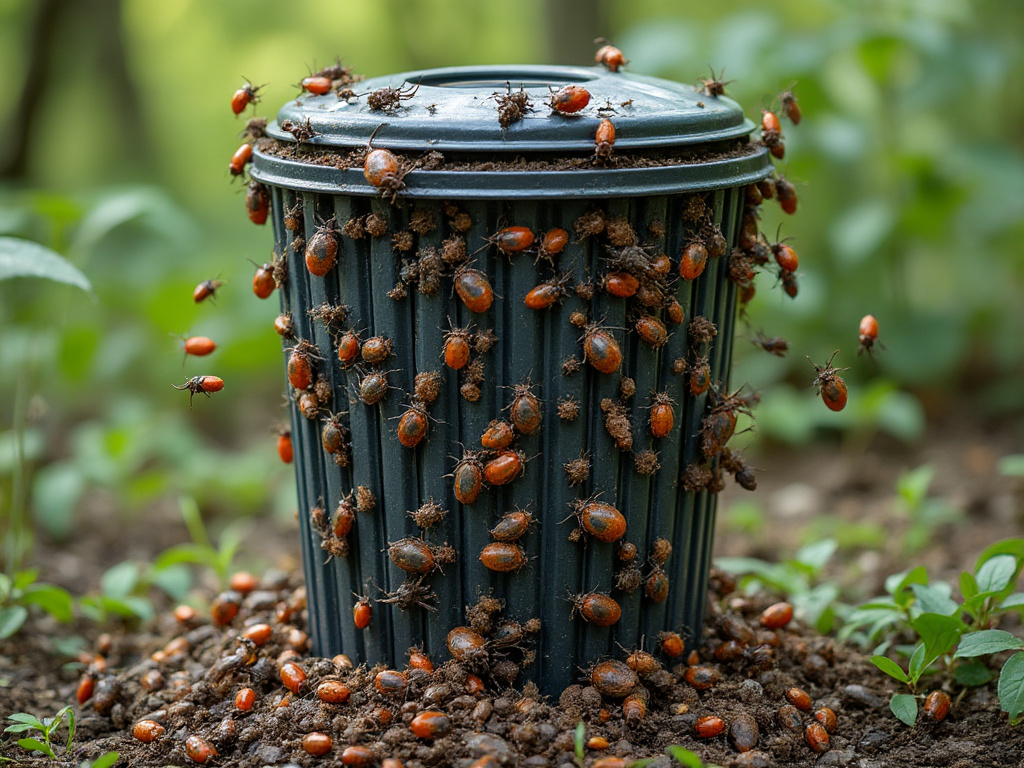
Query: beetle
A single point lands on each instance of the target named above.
(786, 193)
(322, 249)
(600, 349)
(776, 345)
(382, 169)
(204, 384)
(285, 451)
(868, 332)
(504, 468)
(714, 86)
(205, 290)
(349, 347)
(316, 84)
(498, 435)
(456, 347)
(257, 203)
(300, 365)
(263, 283)
(198, 346)
(598, 609)
(525, 410)
(512, 525)
(503, 556)
(600, 519)
(651, 331)
(604, 141)
(239, 159)
(510, 240)
(662, 418)
(569, 99)
(413, 426)
(829, 384)
(244, 96)
(376, 350)
(473, 287)
(547, 293)
(613, 679)
(790, 105)
(374, 387)
(362, 612)
(692, 260)
(610, 56)
(621, 284)
(552, 244)
(469, 478)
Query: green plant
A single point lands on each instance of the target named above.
(926, 514)
(22, 590)
(579, 741)
(22, 722)
(687, 758)
(201, 551)
(105, 760)
(796, 578)
(947, 632)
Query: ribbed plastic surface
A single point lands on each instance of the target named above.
(531, 345)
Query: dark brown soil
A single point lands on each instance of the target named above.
(200, 684)
(195, 691)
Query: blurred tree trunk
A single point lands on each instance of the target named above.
(76, 44)
(570, 27)
(24, 119)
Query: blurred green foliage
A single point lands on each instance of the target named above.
(909, 164)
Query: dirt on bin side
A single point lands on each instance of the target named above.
(344, 158)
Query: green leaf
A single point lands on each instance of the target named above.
(1011, 687)
(5, 587)
(1012, 466)
(199, 554)
(912, 486)
(934, 598)
(1016, 600)
(578, 738)
(972, 673)
(899, 584)
(938, 633)
(24, 258)
(26, 577)
(12, 617)
(175, 580)
(1013, 547)
(105, 760)
(985, 642)
(968, 585)
(995, 574)
(816, 555)
(890, 667)
(120, 580)
(21, 728)
(685, 756)
(904, 706)
(37, 745)
(53, 599)
(916, 665)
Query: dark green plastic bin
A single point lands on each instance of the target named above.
(677, 151)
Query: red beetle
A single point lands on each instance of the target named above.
(204, 384)
(244, 96)
(257, 203)
(569, 99)
(610, 56)
(829, 384)
(239, 160)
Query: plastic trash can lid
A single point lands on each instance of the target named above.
(455, 112)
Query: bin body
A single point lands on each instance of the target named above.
(666, 205)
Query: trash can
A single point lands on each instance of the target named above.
(500, 354)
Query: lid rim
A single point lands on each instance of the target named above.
(573, 183)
